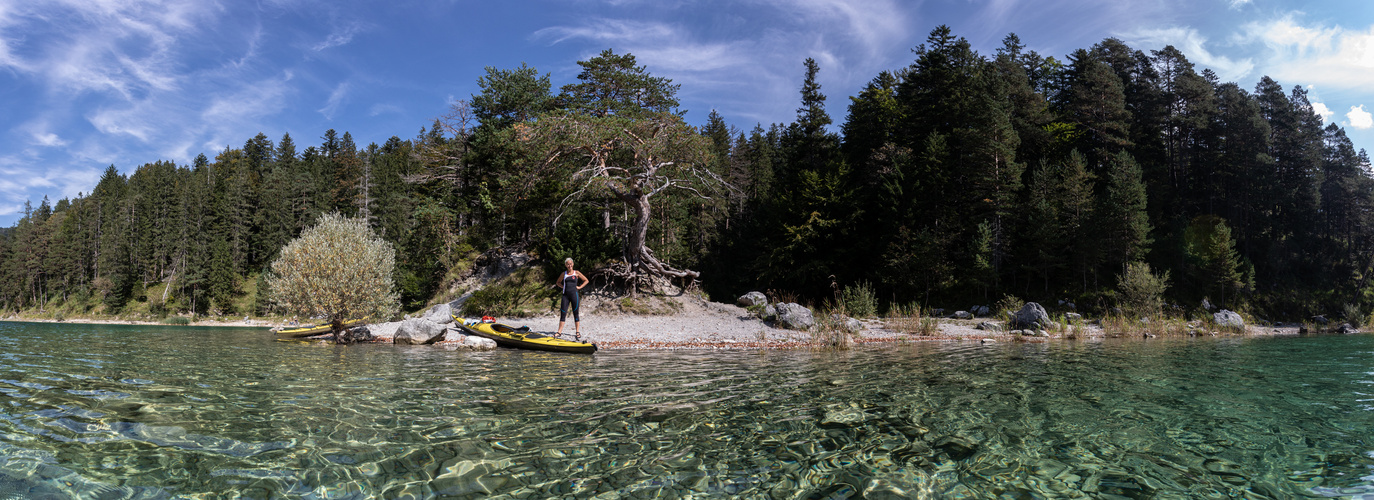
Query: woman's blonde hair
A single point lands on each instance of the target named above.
(568, 260)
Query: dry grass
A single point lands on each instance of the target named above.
(1122, 326)
(829, 333)
(911, 319)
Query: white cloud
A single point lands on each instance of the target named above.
(1359, 118)
(340, 36)
(1330, 56)
(1325, 112)
(1236, 4)
(1193, 45)
(381, 109)
(335, 101)
(876, 23)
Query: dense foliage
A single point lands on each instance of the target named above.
(960, 179)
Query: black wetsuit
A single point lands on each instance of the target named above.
(569, 297)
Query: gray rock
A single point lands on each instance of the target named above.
(1207, 305)
(1032, 316)
(769, 313)
(795, 317)
(989, 326)
(441, 314)
(1346, 329)
(937, 312)
(384, 330)
(359, 334)
(963, 315)
(1228, 319)
(980, 311)
(1319, 319)
(479, 343)
(846, 323)
(455, 337)
(419, 331)
(1073, 316)
(751, 299)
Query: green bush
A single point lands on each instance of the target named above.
(1354, 316)
(513, 296)
(1008, 306)
(1142, 291)
(176, 320)
(859, 300)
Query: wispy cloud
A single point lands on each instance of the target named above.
(381, 109)
(336, 99)
(1194, 45)
(758, 45)
(340, 36)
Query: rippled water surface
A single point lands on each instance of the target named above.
(174, 412)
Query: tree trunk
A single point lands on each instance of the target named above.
(641, 265)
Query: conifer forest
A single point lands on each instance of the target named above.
(960, 179)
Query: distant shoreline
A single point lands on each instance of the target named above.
(250, 323)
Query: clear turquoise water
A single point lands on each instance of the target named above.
(176, 412)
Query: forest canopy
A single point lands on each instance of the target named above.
(958, 179)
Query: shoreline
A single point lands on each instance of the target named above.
(250, 323)
(708, 325)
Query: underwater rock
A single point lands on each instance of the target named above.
(957, 448)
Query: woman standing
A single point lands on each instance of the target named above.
(570, 282)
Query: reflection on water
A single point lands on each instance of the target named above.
(164, 412)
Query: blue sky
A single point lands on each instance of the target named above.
(85, 84)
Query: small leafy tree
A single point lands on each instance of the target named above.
(338, 270)
(1142, 291)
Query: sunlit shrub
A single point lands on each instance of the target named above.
(337, 270)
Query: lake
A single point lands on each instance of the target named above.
(94, 411)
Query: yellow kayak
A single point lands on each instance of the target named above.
(310, 331)
(523, 338)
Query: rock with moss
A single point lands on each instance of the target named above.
(751, 299)
(1228, 319)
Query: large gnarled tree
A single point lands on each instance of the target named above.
(619, 136)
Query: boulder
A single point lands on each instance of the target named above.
(980, 311)
(989, 326)
(752, 299)
(795, 317)
(1346, 329)
(848, 324)
(419, 331)
(384, 330)
(769, 313)
(471, 342)
(360, 334)
(963, 315)
(479, 343)
(1073, 316)
(1207, 305)
(1032, 316)
(440, 313)
(937, 312)
(1228, 319)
